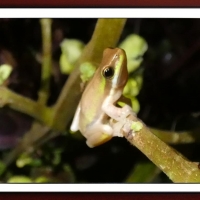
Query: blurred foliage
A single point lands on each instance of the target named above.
(163, 86)
(86, 70)
(135, 47)
(5, 71)
(71, 50)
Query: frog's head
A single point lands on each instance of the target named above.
(114, 67)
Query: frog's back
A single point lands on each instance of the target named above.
(91, 107)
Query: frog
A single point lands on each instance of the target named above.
(98, 103)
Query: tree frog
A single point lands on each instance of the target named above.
(98, 104)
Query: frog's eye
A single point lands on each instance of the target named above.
(108, 72)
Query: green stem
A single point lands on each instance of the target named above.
(182, 137)
(143, 172)
(172, 163)
(46, 60)
(25, 105)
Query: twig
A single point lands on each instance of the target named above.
(46, 60)
(143, 172)
(25, 105)
(182, 137)
(172, 163)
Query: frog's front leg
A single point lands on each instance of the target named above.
(117, 113)
(98, 134)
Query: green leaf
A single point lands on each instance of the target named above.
(87, 70)
(19, 179)
(135, 47)
(5, 71)
(71, 51)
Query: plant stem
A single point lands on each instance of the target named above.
(172, 163)
(46, 60)
(143, 172)
(25, 105)
(182, 137)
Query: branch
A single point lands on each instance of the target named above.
(25, 105)
(143, 172)
(172, 163)
(46, 60)
(182, 137)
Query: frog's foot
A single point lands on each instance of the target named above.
(117, 129)
(125, 112)
(121, 127)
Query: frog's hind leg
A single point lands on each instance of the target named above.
(99, 135)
